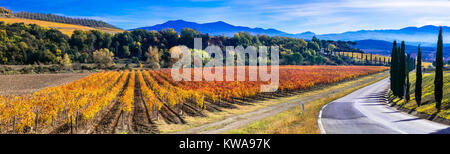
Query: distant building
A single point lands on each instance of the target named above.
(5, 12)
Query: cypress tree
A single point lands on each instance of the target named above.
(371, 58)
(418, 92)
(402, 70)
(407, 82)
(393, 68)
(438, 80)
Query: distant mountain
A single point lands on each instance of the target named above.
(426, 35)
(214, 28)
(373, 41)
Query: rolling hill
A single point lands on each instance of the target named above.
(64, 28)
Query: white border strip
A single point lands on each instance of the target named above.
(319, 120)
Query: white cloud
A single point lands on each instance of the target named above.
(319, 16)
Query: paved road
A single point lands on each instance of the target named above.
(365, 112)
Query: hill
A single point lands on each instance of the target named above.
(64, 28)
(63, 19)
(65, 24)
(428, 101)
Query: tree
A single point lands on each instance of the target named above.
(187, 37)
(66, 63)
(407, 84)
(170, 37)
(393, 69)
(331, 48)
(103, 58)
(153, 57)
(298, 58)
(125, 51)
(402, 71)
(78, 40)
(418, 91)
(314, 46)
(438, 80)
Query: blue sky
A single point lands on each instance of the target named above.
(319, 16)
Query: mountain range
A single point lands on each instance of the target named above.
(374, 41)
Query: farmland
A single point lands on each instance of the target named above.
(28, 83)
(131, 101)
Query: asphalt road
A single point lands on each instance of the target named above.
(365, 112)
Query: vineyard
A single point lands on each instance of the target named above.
(131, 101)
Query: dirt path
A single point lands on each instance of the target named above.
(108, 124)
(238, 121)
(140, 122)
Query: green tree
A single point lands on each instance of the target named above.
(314, 46)
(331, 48)
(125, 51)
(393, 68)
(170, 37)
(438, 80)
(298, 58)
(187, 37)
(418, 90)
(402, 71)
(407, 84)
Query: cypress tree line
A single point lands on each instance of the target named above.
(401, 65)
(418, 91)
(438, 80)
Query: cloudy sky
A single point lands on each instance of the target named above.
(319, 16)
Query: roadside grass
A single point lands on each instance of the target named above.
(292, 121)
(193, 122)
(428, 102)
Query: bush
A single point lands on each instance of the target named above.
(26, 70)
(85, 67)
(103, 58)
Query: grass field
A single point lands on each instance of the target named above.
(64, 28)
(428, 101)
